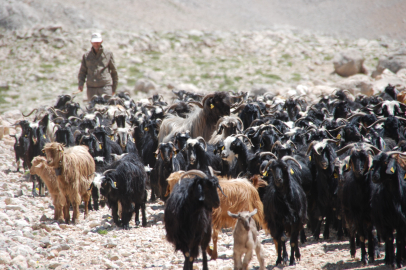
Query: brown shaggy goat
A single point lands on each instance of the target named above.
(201, 122)
(74, 168)
(241, 196)
(47, 174)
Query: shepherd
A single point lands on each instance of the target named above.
(99, 68)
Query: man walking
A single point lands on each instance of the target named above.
(99, 68)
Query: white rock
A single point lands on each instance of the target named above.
(54, 265)
(94, 223)
(110, 264)
(111, 243)
(20, 262)
(348, 63)
(5, 258)
(21, 223)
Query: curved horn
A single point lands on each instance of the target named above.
(291, 143)
(345, 148)
(198, 104)
(193, 172)
(74, 117)
(340, 127)
(171, 107)
(200, 138)
(311, 146)
(58, 126)
(276, 143)
(396, 152)
(58, 118)
(377, 122)
(29, 113)
(109, 170)
(267, 153)
(206, 97)
(242, 135)
(400, 118)
(355, 115)
(236, 110)
(285, 158)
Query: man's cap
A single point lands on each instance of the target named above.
(96, 37)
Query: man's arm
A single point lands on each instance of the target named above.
(113, 72)
(82, 73)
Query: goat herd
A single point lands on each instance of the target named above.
(227, 160)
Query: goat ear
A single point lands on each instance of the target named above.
(113, 184)
(39, 165)
(156, 153)
(391, 166)
(60, 148)
(232, 215)
(253, 212)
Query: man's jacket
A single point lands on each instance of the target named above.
(99, 69)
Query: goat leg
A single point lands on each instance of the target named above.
(34, 186)
(400, 245)
(279, 250)
(260, 255)
(302, 236)
(326, 234)
(352, 245)
(247, 258)
(205, 267)
(364, 258)
(214, 237)
(316, 234)
(373, 251)
(340, 231)
(285, 253)
(390, 253)
(144, 216)
(293, 244)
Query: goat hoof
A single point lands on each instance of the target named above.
(377, 254)
(34, 193)
(292, 263)
(144, 224)
(137, 223)
(126, 227)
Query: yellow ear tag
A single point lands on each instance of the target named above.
(115, 184)
(133, 140)
(265, 173)
(111, 137)
(392, 170)
(222, 148)
(335, 175)
(260, 145)
(404, 177)
(44, 136)
(346, 166)
(310, 158)
(100, 146)
(156, 155)
(339, 136)
(291, 171)
(146, 129)
(211, 106)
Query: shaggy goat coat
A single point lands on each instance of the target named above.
(77, 169)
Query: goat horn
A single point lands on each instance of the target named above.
(396, 152)
(340, 127)
(356, 114)
(198, 104)
(58, 118)
(29, 113)
(268, 153)
(193, 172)
(276, 143)
(200, 138)
(171, 107)
(267, 165)
(58, 126)
(291, 143)
(285, 158)
(400, 118)
(76, 133)
(74, 117)
(242, 135)
(236, 110)
(345, 148)
(109, 170)
(377, 122)
(325, 111)
(311, 146)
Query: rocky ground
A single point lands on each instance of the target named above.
(30, 240)
(41, 63)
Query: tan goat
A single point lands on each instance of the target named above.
(47, 174)
(246, 240)
(241, 196)
(74, 169)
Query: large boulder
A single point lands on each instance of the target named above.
(144, 85)
(357, 84)
(348, 63)
(394, 62)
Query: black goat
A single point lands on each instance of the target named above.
(285, 207)
(355, 196)
(200, 156)
(389, 203)
(322, 161)
(124, 183)
(188, 215)
(167, 162)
